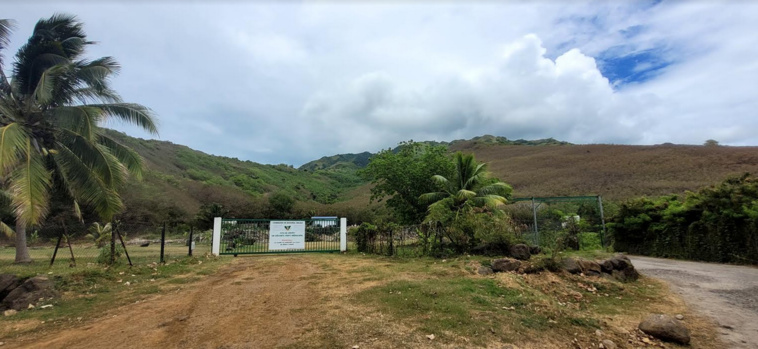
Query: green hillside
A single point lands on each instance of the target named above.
(340, 161)
(179, 180)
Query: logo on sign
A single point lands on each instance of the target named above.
(287, 227)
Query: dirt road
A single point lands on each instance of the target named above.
(726, 293)
(240, 307)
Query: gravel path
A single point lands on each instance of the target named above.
(726, 293)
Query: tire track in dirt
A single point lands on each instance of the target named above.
(254, 303)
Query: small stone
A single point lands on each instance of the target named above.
(608, 344)
(485, 270)
(679, 317)
(356, 347)
(46, 306)
(10, 312)
(430, 336)
(599, 333)
(31, 306)
(127, 283)
(645, 340)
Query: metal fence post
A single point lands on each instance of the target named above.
(602, 219)
(215, 247)
(190, 243)
(343, 234)
(536, 230)
(163, 241)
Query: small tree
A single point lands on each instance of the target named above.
(711, 143)
(100, 234)
(402, 175)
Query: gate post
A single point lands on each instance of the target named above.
(216, 236)
(343, 234)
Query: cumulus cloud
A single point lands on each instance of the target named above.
(524, 94)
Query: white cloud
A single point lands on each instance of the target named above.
(294, 82)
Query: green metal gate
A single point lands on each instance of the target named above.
(252, 236)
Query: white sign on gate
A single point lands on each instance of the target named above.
(286, 235)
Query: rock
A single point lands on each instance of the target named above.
(484, 270)
(679, 317)
(571, 265)
(430, 336)
(535, 250)
(521, 252)
(606, 266)
(505, 264)
(608, 344)
(29, 292)
(626, 275)
(620, 262)
(666, 328)
(7, 283)
(589, 268)
(9, 312)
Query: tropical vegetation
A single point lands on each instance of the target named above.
(51, 142)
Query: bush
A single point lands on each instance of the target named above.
(716, 224)
(105, 255)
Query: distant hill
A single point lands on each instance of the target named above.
(180, 179)
(340, 161)
(613, 171)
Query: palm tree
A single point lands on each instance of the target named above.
(50, 111)
(100, 233)
(470, 187)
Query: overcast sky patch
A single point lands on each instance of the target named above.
(289, 83)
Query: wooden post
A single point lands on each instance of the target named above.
(68, 242)
(602, 219)
(123, 245)
(113, 246)
(55, 252)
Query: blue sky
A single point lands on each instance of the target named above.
(288, 83)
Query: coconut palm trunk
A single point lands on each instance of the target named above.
(22, 251)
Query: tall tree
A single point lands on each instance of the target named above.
(50, 111)
(403, 174)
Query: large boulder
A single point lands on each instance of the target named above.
(7, 283)
(521, 252)
(484, 270)
(606, 266)
(620, 262)
(29, 292)
(666, 328)
(505, 264)
(627, 275)
(620, 267)
(589, 268)
(571, 265)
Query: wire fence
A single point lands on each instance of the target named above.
(142, 244)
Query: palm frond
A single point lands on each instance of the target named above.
(87, 184)
(464, 194)
(130, 158)
(498, 188)
(429, 198)
(30, 187)
(89, 94)
(13, 140)
(6, 27)
(44, 91)
(6, 230)
(95, 156)
(81, 120)
(131, 113)
(78, 212)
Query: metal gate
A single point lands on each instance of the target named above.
(252, 236)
